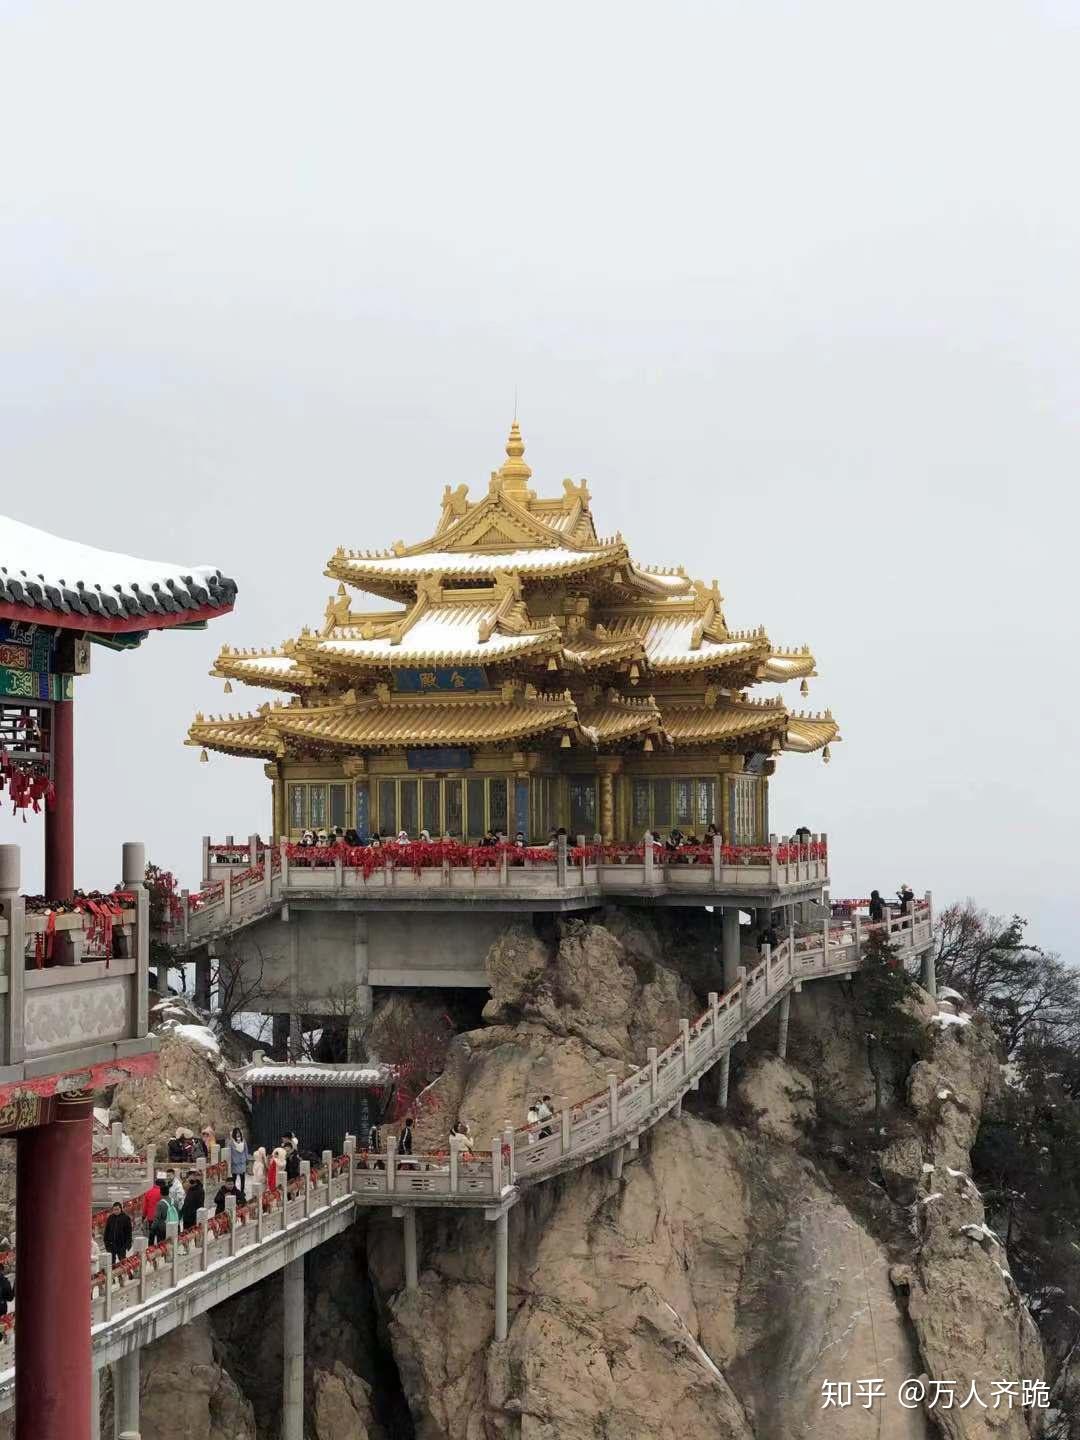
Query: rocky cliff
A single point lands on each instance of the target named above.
(740, 1261)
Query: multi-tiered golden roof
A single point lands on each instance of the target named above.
(534, 649)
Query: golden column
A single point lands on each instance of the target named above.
(274, 772)
(608, 766)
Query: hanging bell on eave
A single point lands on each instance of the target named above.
(804, 689)
(204, 758)
(553, 664)
(648, 745)
(635, 674)
(825, 756)
(565, 742)
(228, 687)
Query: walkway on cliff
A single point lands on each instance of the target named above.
(161, 1287)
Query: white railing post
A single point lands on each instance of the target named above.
(823, 841)
(185, 912)
(116, 1130)
(714, 1015)
(284, 864)
(305, 1176)
(253, 850)
(560, 862)
(496, 1164)
(454, 1154)
(230, 1215)
(106, 1265)
(825, 926)
(653, 1074)
(508, 1144)
(391, 1163)
(257, 1201)
(140, 1250)
(339, 873)
(565, 1118)
(613, 1101)
(717, 860)
(767, 953)
(774, 862)
(202, 1218)
(215, 1153)
(649, 856)
(206, 859)
(268, 872)
(741, 973)
(172, 1234)
(857, 924)
(684, 1026)
(350, 1151)
(328, 1167)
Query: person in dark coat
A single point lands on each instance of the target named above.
(194, 1200)
(7, 1290)
(877, 908)
(405, 1139)
(229, 1188)
(117, 1233)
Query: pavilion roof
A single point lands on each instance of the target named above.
(48, 580)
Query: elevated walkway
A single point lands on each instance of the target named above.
(454, 877)
(159, 1288)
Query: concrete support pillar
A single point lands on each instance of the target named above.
(725, 1078)
(617, 1163)
(280, 1037)
(295, 1037)
(52, 1336)
(202, 980)
(292, 1345)
(95, 1404)
(730, 950)
(762, 916)
(126, 1393)
(608, 767)
(412, 1273)
(502, 1276)
(781, 1038)
(929, 969)
(362, 1001)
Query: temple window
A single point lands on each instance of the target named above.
(744, 791)
(582, 794)
(685, 803)
(339, 806)
(444, 806)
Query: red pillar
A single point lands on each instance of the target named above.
(60, 820)
(52, 1283)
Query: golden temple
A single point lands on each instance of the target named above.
(532, 675)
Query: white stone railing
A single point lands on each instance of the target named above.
(245, 893)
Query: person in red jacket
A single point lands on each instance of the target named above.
(150, 1204)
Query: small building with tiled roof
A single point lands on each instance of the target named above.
(532, 675)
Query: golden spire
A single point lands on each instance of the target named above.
(515, 473)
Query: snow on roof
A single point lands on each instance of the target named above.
(946, 992)
(275, 664)
(467, 562)
(444, 630)
(667, 640)
(320, 1075)
(44, 571)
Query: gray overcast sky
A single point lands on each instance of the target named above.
(793, 285)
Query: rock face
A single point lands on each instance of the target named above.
(710, 1292)
(185, 1394)
(190, 1088)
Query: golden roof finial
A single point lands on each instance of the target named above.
(515, 473)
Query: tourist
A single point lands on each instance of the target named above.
(160, 1220)
(174, 1190)
(276, 1168)
(238, 1158)
(7, 1291)
(405, 1138)
(532, 1120)
(519, 840)
(403, 837)
(194, 1200)
(150, 1203)
(292, 1162)
(877, 908)
(226, 1189)
(375, 843)
(208, 1136)
(258, 1167)
(460, 1139)
(906, 896)
(802, 835)
(544, 1113)
(117, 1237)
(352, 837)
(425, 837)
(767, 936)
(711, 834)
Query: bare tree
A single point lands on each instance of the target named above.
(239, 980)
